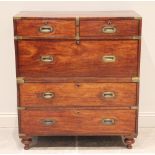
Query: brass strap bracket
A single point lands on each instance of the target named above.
(77, 30)
(136, 37)
(135, 79)
(18, 37)
(16, 18)
(137, 18)
(134, 107)
(21, 108)
(20, 80)
(21, 135)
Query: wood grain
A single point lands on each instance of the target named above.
(62, 28)
(123, 28)
(77, 122)
(77, 94)
(72, 60)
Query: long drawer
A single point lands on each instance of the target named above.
(77, 122)
(77, 94)
(106, 58)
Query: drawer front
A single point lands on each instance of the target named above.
(67, 59)
(77, 94)
(45, 28)
(77, 122)
(106, 28)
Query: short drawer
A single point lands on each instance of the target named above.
(106, 58)
(107, 28)
(77, 94)
(77, 122)
(45, 28)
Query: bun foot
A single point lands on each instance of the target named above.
(26, 147)
(26, 140)
(128, 141)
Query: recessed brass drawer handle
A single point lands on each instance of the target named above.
(109, 58)
(108, 121)
(48, 122)
(46, 29)
(47, 58)
(108, 95)
(48, 95)
(109, 29)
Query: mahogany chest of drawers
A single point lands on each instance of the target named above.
(78, 74)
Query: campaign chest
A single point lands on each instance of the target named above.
(77, 74)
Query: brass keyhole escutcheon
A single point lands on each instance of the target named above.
(109, 22)
(77, 84)
(77, 112)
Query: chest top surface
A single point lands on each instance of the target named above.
(82, 14)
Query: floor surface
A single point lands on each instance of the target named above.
(10, 143)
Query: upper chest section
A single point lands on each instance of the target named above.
(77, 44)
